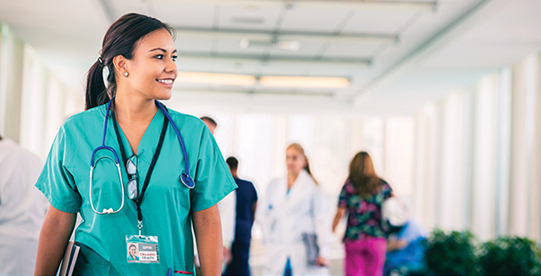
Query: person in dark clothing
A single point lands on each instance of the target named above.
(245, 210)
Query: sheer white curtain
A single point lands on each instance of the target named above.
(478, 156)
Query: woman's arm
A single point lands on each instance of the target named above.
(340, 213)
(396, 244)
(53, 238)
(322, 227)
(208, 233)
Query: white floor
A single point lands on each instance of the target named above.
(257, 260)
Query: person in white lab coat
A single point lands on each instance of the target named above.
(294, 205)
(22, 209)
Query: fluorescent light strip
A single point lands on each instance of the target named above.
(215, 78)
(300, 82)
(268, 81)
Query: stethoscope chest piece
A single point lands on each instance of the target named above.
(187, 180)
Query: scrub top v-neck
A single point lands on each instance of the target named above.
(167, 204)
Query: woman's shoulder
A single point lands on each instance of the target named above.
(85, 119)
(385, 187)
(277, 180)
(186, 119)
(385, 184)
(183, 116)
(348, 187)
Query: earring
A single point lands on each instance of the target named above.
(126, 74)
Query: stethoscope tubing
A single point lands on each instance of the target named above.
(184, 178)
(110, 210)
(182, 145)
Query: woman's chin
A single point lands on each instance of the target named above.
(162, 96)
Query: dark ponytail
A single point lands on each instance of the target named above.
(120, 39)
(95, 87)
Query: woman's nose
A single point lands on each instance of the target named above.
(171, 66)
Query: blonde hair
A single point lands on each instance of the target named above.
(300, 149)
(363, 175)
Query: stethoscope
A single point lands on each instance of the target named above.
(184, 177)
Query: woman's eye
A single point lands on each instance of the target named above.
(159, 56)
(174, 58)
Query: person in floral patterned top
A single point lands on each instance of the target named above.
(361, 198)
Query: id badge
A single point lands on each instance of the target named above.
(142, 249)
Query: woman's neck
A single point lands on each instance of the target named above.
(291, 177)
(134, 110)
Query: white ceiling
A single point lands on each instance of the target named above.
(415, 52)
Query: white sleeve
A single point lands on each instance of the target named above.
(322, 224)
(227, 207)
(262, 213)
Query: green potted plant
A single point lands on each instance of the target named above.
(450, 253)
(510, 256)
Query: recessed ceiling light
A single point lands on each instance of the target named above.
(292, 46)
(248, 20)
(287, 45)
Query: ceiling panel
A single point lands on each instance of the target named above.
(249, 16)
(358, 50)
(334, 70)
(296, 69)
(185, 15)
(121, 7)
(191, 44)
(214, 65)
(378, 21)
(232, 46)
(315, 20)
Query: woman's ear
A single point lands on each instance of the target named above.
(120, 63)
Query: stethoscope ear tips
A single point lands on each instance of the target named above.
(187, 180)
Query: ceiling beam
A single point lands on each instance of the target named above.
(286, 35)
(273, 58)
(406, 5)
(411, 5)
(410, 62)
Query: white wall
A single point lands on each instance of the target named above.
(33, 101)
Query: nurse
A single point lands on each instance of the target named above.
(145, 179)
(292, 207)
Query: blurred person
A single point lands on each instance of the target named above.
(227, 209)
(245, 210)
(405, 250)
(143, 145)
(211, 123)
(292, 210)
(361, 199)
(22, 208)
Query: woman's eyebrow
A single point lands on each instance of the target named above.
(161, 49)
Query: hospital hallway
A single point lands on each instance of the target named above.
(445, 96)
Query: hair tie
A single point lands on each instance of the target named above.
(100, 61)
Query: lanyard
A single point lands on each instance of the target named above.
(150, 169)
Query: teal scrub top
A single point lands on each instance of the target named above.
(167, 204)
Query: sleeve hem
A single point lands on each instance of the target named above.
(56, 204)
(214, 201)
